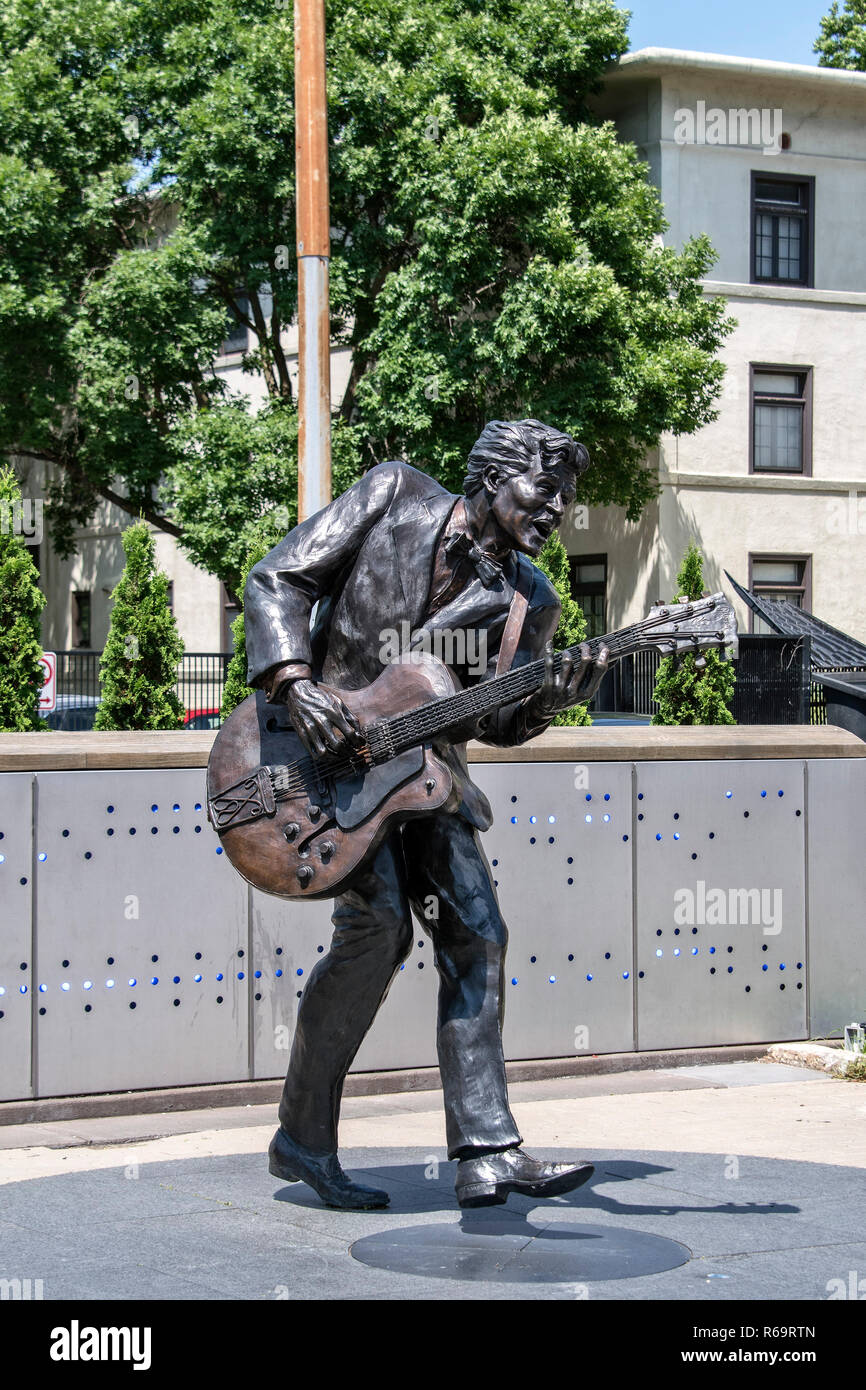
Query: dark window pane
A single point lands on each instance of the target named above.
(779, 438)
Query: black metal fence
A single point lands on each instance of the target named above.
(774, 680)
(200, 681)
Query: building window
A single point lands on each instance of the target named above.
(81, 615)
(236, 339)
(777, 577)
(782, 222)
(781, 420)
(588, 586)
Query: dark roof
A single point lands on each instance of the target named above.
(830, 647)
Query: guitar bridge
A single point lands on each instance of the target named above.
(244, 801)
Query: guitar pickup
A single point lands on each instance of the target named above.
(244, 801)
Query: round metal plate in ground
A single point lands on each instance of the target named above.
(519, 1253)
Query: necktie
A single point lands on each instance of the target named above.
(461, 546)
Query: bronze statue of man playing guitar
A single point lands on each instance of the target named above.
(398, 549)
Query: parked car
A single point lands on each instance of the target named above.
(73, 712)
(202, 719)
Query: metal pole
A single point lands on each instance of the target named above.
(313, 251)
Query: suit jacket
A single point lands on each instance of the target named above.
(367, 561)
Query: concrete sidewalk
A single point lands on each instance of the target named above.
(737, 1181)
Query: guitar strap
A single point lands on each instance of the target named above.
(513, 625)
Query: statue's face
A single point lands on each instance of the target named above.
(529, 506)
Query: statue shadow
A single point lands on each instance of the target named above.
(413, 1192)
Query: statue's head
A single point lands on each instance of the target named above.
(527, 473)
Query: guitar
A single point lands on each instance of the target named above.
(300, 826)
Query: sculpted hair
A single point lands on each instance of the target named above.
(512, 445)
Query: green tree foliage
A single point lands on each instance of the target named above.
(138, 670)
(842, 40)
(553, 560)
(496, 250)
(686, 694)
(21, 602)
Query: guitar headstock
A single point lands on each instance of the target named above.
(696, 625)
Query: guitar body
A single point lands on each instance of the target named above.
(312, 837)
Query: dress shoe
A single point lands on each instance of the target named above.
(293, 1163)
(487, 1181)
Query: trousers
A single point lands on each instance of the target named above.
(434, 865)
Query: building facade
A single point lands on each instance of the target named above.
(769, 160)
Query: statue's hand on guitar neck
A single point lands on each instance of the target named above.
(321, 720)
(573, 683)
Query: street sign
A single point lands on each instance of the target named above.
(48, 694)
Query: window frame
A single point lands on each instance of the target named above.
(804, 399)
(804, 587)
(807, 257)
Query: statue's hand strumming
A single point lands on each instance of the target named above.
(575, 682)
(321, 720)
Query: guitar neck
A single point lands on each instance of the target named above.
(439, 716)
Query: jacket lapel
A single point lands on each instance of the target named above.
(415, 541)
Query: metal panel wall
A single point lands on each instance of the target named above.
(16, 897)
(836, 791)
(143, 941)
(560, 848)
(612, 880)
(720, 850)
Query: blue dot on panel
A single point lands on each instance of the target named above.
(677, 951)
(676, 834)
(219, 977)
(607, 796)
(781, 793)
(659, 952)
(88, 984)
(589, 796)
(240, 974)
(589, 977)
(765, 966)
(175, 807)
(258, 974)
(729, 794)
(197, 979)
(712, 950)
(154, 980)
(532, 820)
(43, 988)
(782, 965)
(587, 818)
(132, 982)
(551, 820)
(551, 979)
(109, 984)
(606, 817)
(22, 989)
(514, 979)
(513, 820)
(658, 837)
(625, 974)
(42, 856)
(694, 950)
(219, 849)
(299, 972)
(763, 793)
(154, 807)
(278, 974)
